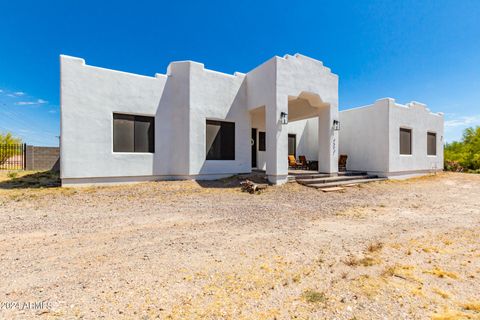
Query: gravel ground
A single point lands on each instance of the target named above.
(182, 250)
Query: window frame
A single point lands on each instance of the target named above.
(410, 130)
(434, 145)
(262, 141)
(220, 122)
(136, 118)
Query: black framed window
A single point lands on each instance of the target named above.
(261, 141)
(220, 140)
(405, 141)
(132, 133)
(431, 144)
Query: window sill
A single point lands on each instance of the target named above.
(131, 153)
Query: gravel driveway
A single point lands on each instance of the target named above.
(180, 250)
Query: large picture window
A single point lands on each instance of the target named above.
(405, 141)
(220, 140)
(431, 144)
(133, 133)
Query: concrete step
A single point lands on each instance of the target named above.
(343, 183)
(333, 179)
(314, 175)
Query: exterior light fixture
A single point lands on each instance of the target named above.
(284, 117)
(336, 125)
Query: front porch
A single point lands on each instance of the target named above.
(296, 96)
(304, 133)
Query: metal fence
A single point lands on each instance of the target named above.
(12, 156)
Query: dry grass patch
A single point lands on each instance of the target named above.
(375, 246)
(368, 286)
(472, 306)
(441, 293)
(245, 292)
(313, 296)
(452, 315)
(404, 272)
(367, 261)
(442, 273)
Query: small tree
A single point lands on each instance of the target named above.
(7, 147)
(464, 154)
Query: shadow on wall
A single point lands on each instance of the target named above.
(45, 179)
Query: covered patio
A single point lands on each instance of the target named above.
(293, 101)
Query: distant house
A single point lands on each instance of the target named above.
(195, 123)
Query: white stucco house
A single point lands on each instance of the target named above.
(195, 123)
(392, 140)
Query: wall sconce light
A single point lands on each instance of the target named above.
(336, 125)
(284, 117)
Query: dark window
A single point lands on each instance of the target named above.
(405, 141)
(261, 141)
(220, 140)
(292, 145)
(133, 133)
(431, 144)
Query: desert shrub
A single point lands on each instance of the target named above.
(7, 140)
(464, 156)
(12, 175)
(313, 296)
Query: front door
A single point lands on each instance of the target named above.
(292, 145)
(254, 148)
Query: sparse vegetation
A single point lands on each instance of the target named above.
(7, 140)
(12, 174)
(464, 155)
(313, 296)
(31, 180)
(187, 250)
(472, 306)
(441, 293)
(375, 246)
(442, 273)
(367, 261)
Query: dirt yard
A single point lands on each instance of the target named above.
(180, 250)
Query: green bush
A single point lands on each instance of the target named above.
(464, 155)
(7, 140)
(12, 175)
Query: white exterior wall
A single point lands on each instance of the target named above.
(370, 138)
(181, 101)
(364, 137)
(417, 117)
(271, 85)
(307, 138)
(89, 97)
(218, 96)
(303, 76)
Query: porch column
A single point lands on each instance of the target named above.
(277, 142)
(327, 141)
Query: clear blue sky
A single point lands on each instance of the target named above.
(428, 51)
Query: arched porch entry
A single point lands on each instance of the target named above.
(308, 127)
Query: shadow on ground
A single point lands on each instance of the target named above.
(45, 179)
(234, 181)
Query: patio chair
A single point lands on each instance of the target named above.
(292, 162)
(342, 162)
(304, 162)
